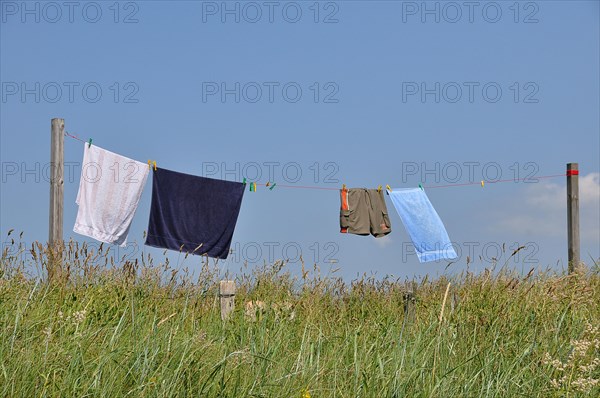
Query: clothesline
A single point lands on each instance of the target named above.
(198, 215)
(482, 182)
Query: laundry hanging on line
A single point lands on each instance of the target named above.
(108, 197)
(191, 214)
(363, 212)
(423, 224)
(198, 215)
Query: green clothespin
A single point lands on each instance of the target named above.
(244, 182)
(251, 187)
(272, 186)
(421, 186)
(90, 143)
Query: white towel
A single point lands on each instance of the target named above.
(110, 188)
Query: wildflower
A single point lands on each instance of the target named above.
(580, 363)
(201, 336)
(284, 310)
(254, 307)
(79, 316)
(584, 384)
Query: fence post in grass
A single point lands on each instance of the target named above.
(55, 234)
(227, 298)
(455, 299)
(409, 304)
(573, 215)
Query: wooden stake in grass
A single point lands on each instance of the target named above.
(409, 306)
(227, 298)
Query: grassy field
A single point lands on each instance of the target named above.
(143, 329)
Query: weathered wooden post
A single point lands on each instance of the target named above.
(573, 215)
(55, 234)
(409, 304)
(227, 298)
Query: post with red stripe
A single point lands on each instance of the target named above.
(573, 214)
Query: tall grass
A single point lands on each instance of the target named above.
(107, 328)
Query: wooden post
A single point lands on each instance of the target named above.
(455, 300)
(55, 234)
(573, 215)
(227, 298)
(409, 303)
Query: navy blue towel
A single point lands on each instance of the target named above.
(188, 211)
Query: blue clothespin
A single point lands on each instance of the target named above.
(272, 186)
(421, 186)
(90, 143)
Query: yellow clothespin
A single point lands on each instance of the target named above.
(482, 183)
(388, 188)
(155, 165)
(379, 188)
(149, 164)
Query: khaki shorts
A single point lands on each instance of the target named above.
(363, 212)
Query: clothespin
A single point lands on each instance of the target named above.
(244, 182)
(154, 165)
(482, 183)
(272, 186)
(421, 186)
(388, 188)
(379, 188)
(251, 187)
(343, 187)
(90, 143)
(149, 164)
(254, 186)
(267, 184)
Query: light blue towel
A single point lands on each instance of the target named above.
(423, 224)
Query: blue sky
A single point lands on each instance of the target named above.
(318, 94)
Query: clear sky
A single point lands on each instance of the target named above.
(317, 94)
